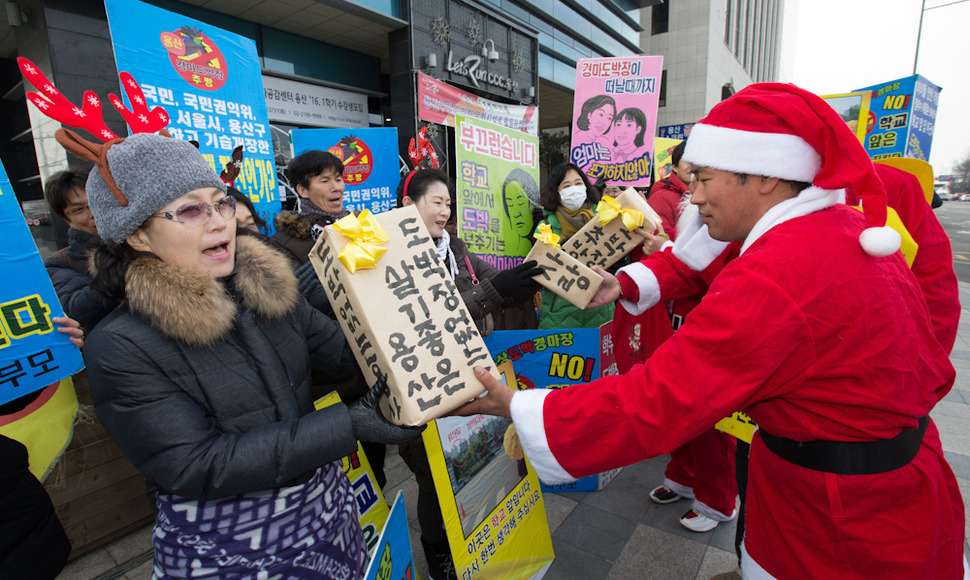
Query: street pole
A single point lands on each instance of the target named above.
(919, 33)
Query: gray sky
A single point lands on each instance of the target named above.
(835, 46)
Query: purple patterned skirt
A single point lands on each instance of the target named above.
(308, 531)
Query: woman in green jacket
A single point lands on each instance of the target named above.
(567, 201)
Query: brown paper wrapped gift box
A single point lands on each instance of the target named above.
(596, 244)
(564, 275)
(405, 319)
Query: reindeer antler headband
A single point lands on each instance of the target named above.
(89, 117)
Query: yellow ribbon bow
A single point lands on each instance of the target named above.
(544, 234)
(365, 234)
(608, 208)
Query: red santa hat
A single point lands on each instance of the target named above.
(780, 130)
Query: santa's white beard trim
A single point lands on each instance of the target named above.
(647, 284)
(527, 414)
(695, 246)
(810, 200)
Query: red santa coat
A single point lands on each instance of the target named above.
(933, 265)
(815, 340)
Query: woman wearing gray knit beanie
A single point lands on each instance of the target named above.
(202, 377)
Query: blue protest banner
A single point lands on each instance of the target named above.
(32, 353)
(393, 558)
(370, 161)
(209, 82)
(902, 116)
(548, 359)
(553, 359)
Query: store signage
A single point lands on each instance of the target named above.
(309, 105)
(470, 67)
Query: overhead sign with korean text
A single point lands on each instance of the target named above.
(615, 117)
(209, 82)
(370, 161)
(439, 102)
(33, 354)
(902, 117)
(497, 179)
(296, 103)
(679, 132)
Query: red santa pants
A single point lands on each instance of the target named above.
(703, 468)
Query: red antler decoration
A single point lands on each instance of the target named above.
(56, 106)
(89, 116)
(140, 118)
(422, 150)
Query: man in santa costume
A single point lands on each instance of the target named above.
(818, 330)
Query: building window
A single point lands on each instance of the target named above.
(663, 89)
(727, 23)
(659, 18)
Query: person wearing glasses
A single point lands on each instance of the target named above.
(202, 375)
(68, 267)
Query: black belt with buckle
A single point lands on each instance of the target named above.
(850, 457)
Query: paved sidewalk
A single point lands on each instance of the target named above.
(616, 533)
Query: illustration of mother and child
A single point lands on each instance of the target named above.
(621, 133)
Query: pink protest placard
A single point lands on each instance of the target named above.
(615, 118)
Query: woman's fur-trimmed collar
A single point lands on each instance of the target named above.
(293, 224)
(195, 308)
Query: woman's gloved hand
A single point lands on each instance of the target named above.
(517, 280)
(370, 425)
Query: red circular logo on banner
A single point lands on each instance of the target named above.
(870, 122)
(356, 157)
(196, 58)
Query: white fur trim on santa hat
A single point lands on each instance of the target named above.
(647, 284)
(882, 241)
(528, 416)
(769, 154)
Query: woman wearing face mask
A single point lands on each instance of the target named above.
(202, 375)
(567, 201)
(491, 296)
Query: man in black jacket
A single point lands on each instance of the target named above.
(68, 268)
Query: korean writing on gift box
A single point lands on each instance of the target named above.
(342, 307)
(487, 141)
(415, 302)
(610, 68)
(596, 245)
(555, 272)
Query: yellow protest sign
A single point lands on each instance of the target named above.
(493, 511)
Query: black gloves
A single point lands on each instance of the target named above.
(311, 288)
(517, 280)
(370, 425)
